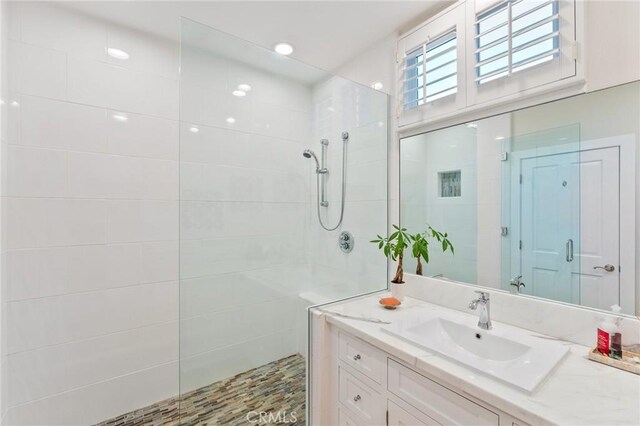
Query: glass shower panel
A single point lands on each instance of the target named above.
(253, 255)
(541, 205)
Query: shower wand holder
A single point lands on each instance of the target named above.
(321, 175)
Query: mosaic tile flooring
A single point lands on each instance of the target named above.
(275, 388)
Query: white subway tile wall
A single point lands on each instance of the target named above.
(90, 219)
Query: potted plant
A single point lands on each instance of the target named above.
(420, 245)
(395, 244)
(393, 247)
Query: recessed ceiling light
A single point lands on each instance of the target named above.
(283, 48)
(244, 87)
(15, 104)
(120, 117)
(472, 125)
(239, 93)
(117, 53)
(194, 129)
(377, 85)
(231, 120)
(500, 138)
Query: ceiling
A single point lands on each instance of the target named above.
(325, 34)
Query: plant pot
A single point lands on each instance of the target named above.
(397, 291)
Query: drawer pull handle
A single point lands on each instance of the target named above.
(357, 357)
(357, 398)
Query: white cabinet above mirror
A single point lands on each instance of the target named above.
(544, 199)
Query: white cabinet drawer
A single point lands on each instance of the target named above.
(436, 401)
(400, 417)
(368, 404)
(363, 357)
(345, 419)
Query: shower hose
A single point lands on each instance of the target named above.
(344, 182)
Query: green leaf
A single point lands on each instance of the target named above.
(425, 254)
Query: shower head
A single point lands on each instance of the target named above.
(309, 154)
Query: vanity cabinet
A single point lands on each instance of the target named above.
(371, 388)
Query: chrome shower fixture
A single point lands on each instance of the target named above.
(321, 176)
(310, 154)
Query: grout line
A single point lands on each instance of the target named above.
(91, 245)
(177, 362)
(74, 293)
(97, 153)
(99, 336)
(239, 343)
(104, 108)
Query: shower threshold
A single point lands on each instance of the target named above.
(275, 391)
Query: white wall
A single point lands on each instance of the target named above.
(377, 63)
(90, 246)
(341, 105)
(4, 33)
(612, 34)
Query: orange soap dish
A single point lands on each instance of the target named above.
(390, 302)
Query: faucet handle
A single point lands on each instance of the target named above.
(484, 295)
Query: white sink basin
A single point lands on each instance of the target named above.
(516, 358)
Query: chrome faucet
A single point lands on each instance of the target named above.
(515, 285)
(485, 314)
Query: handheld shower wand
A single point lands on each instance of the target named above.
(310, 154)
(321, 171)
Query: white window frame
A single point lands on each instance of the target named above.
(561, 67)
(452, 19)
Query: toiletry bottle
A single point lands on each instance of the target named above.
(616, 335)
(605, 329)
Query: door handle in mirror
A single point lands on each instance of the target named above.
(569, 250)
(607, 267)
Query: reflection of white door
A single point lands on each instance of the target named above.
(599, 248)
(569, 224)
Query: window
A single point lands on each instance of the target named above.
(430, 71)
(515, 35)
(450, 184)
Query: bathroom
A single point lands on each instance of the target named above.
(320, 212)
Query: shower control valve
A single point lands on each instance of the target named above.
(346, 241)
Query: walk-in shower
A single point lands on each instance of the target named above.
(252, 258)
(322, 173)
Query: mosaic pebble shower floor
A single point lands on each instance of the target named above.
(276, 388)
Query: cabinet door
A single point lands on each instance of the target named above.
(400, 417)
(366, 403)
(345, 419)
(363, 357)
(435, 400)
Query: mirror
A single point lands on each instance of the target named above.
(539, 201)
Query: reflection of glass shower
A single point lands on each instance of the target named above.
(253, 256)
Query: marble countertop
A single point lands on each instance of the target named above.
(577, 392)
